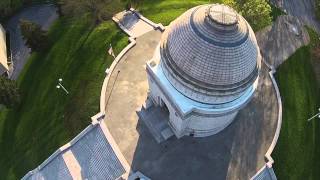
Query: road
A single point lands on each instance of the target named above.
(43, 15)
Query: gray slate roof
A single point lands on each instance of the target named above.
(56, 169)
(266, 173)
(96, 157)
(212, 50)
(92, 153)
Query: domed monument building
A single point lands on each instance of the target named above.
(205, 69)
(201, 75)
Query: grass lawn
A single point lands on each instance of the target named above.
(47, 117)
(297, 154)
(165, 11)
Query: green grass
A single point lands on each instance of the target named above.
(47, 117)
(297, 153)
(165, 11)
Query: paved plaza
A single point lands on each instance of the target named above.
(235, 153)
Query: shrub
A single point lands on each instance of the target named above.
(100, 10)
(317, 9)
(9, 93)
(256, 12)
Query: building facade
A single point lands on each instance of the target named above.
(204, 70)
(3, 52)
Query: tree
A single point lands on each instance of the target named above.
(317, 9)
(9, 93)
(35, 37)
(100, 10)
(7, 8)
(256, 12)
(132, 3)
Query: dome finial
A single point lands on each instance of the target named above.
(222, 15)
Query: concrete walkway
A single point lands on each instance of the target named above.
(279, 41)
(235, 153)
(43, 15)
(302, 9)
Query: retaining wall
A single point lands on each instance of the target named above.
(122, 53)
(267, 169)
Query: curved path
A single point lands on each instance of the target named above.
(302, 9)
(235, 153)
(278, 42)
(43, 15)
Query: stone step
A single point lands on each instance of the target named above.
(156, 120)
(167, 133)
(143, 116)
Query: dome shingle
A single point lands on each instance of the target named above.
(210, 54)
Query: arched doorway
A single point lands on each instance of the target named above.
(164, 107)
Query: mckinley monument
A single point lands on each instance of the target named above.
(204, 70)
(201, 75)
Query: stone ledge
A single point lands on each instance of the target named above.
(110, 70)
(268, 158)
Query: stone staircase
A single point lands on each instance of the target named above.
(156, 119)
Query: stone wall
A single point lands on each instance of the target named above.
(267, 171)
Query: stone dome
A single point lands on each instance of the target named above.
(210, 54)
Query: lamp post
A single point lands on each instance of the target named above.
(59, 85)
(317, 115)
